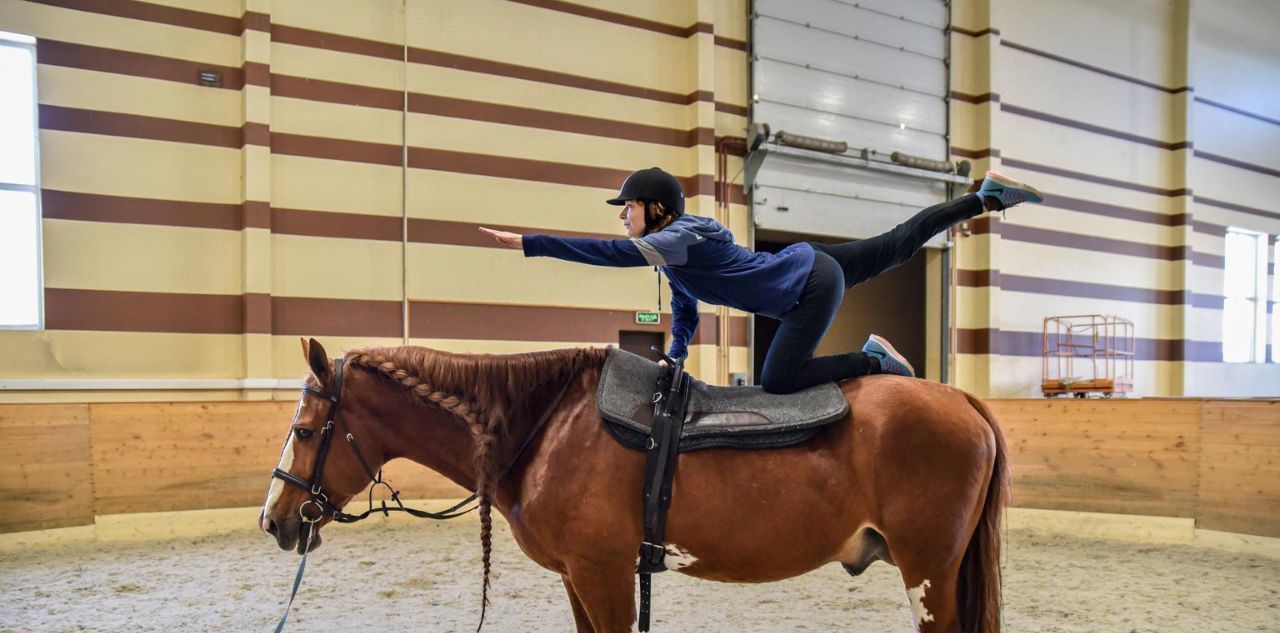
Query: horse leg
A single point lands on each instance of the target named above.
(579, 614)
(607, 594)
(931, 590)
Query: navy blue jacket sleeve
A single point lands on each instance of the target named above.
(684, 320)
(584, 250)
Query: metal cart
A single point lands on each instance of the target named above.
(1088, 353)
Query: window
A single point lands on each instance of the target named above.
(1274, 307)
(20, 271)
(1244, 289)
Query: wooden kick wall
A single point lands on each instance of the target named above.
(193, 233)
(1212, 460)
(1152, 126)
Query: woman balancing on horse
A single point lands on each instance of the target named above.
(802, 285)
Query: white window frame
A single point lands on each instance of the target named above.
(16, 40)
(1258, 297)
(1274, 305)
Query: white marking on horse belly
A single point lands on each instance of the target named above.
(677, 557)
(916, 594)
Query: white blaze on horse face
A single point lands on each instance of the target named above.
(677, 557)
(286, 462)
(916, 594)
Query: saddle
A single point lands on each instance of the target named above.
(730, 417)
(665, 412)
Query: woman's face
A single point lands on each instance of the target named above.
(632, 217)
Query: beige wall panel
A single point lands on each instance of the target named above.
(1085, 190)
(319, 184)
(477, 346)
(347, 68)
(336, 268)
(1235, 51)
(134, 167)
(480, 137)
(108, 92)
(503, 201)
(289, 364)
(1115, 31)
(1233, 379)
(174, 456)
(1205, 243)
(506, 276)
(490, 29)
(970, 128)
(230, 8)
(1025, 312)
(1235, 136)
(1240, 468)
(974, 252)
(731, 19)
(139, 36)
(84, 396)
(732, 74)
(971, 307)
(1074, 456)
(731, 125)
(1060, 146)
(459, 84)
(1049, 86)
(379, 20)
(1205, 324)
(332, 120)
(141, 258)
(971, 373)
(1081, 265)
(971, 73)
(1047, 216)
(81, 354)
(1217, 181)
(1205, 279)
(46, 479)
(681, 14)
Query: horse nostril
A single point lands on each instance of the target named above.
(271, 527)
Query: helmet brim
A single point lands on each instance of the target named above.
(617, 202)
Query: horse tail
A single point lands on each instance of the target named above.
(978, 589)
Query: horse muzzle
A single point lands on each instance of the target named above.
(292, 534)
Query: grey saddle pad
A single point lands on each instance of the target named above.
(739, 417)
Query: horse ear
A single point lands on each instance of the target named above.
(317, 357)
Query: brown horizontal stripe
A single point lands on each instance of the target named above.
(303, 316)
(257, 214)
(284, 34)
(1089, 127)
(255, 21)
(135, 126)
(729, 108)
(257, 74)
(335, 92)
(1066, 288)
(148, 12)
(982, 98)
(336, 149)
(964, 31)
(529, 73)
(727, 42)
(1261, 169)
(256, 134)
(257, 313)
(341, 225)
(976, 153)
(1207, 260)
(423, 231)
(1077, 175)
(102, 310)
(1114, 210)
(1235, 110)
(1236, 207)
(1005, 343)
(66, 205)
(1093, 243)
(56, 53)
(1091, 68)
(977, 278)
(619, 18)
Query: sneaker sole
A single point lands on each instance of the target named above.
(902, 359)
(1013, 184)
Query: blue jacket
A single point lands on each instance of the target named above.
(701, 262)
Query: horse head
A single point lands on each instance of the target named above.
(321, 440)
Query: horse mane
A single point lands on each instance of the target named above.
(485, 390)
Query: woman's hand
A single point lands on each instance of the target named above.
(511, 240)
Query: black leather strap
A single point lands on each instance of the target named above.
(670, 405)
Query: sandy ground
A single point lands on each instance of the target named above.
(425, 577)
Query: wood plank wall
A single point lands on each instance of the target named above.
(1216, 461)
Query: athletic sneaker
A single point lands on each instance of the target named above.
(999, 192)
(891, 362)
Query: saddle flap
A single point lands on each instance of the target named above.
(628, 383)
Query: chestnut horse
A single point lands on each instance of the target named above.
(915, 476)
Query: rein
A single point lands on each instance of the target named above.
(320, 499)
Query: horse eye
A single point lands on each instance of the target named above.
(303, 433)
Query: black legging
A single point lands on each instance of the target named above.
(789, 366)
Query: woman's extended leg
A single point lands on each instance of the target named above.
(787, 366)
(861, 260)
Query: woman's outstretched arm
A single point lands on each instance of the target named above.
(584, 250)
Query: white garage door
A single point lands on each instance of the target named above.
(870, 73)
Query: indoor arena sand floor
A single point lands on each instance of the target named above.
(425, 577)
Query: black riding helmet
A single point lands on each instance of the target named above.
(654, 185)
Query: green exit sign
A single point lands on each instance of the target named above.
(648, 318)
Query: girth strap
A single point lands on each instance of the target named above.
(670, 404)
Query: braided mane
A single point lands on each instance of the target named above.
(485, 390)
